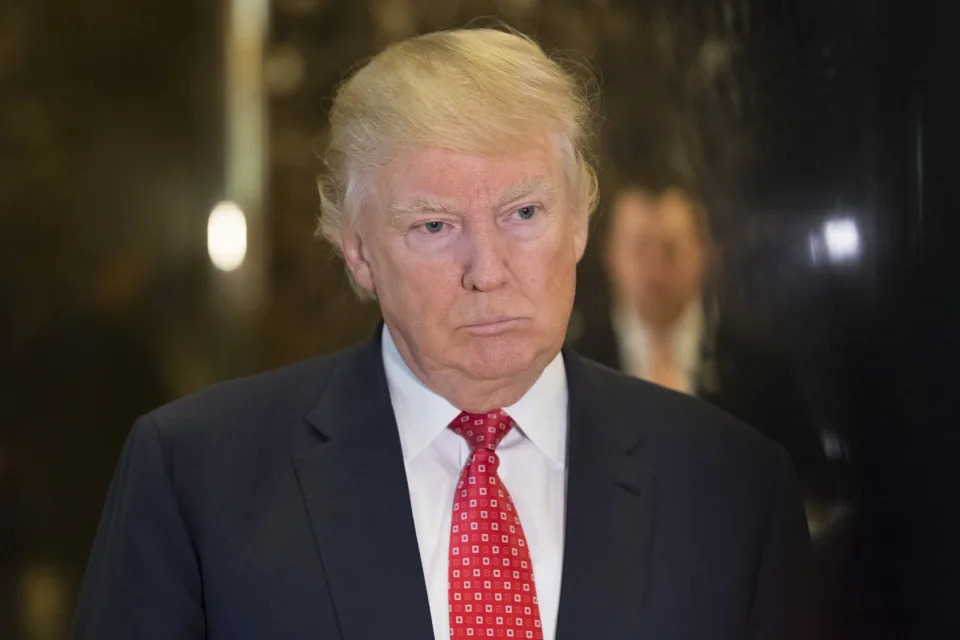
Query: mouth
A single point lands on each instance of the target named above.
(492, 326)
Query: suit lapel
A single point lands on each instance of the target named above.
(609, 515)
(355, 490)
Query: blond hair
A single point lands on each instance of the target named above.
(479, 91)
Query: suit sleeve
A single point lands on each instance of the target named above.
(143, 576)
(782, 605)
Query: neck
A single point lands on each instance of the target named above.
(475, 396)
(658, 331)
(661, 328)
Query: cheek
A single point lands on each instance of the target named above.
(548, 275)
(692, 275)
(415, 284)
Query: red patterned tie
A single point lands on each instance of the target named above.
(492, 593)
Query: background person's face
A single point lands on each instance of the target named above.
(655, 255)
(473, 260)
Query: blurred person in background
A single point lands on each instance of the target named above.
(446, 478)
(665, 326)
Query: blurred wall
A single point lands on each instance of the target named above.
(109, 148)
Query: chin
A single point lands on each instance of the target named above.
(506, 356)
(500, 357)
(657, 315)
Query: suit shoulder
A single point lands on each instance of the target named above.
(677, 420)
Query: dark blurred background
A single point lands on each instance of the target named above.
(157, 207)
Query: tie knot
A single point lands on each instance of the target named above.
(482, 430)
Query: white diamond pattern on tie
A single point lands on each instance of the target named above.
(491, 590)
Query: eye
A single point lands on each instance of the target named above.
(527, 212)
(434, 226)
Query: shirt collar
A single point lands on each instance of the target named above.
(422, 414)
(686, 333)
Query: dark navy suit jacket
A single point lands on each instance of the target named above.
(749, 379)
(277, 507)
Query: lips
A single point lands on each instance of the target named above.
(491, 320)
(490, 326)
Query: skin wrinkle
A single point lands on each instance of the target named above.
(540, 186)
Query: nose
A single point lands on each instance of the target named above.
(486, 253)
(653, 264)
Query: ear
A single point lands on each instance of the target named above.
(581, 231)
(356, 255)
(608, 249)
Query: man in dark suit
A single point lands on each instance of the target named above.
(665, 327)
(461, 475)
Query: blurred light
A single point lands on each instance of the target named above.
(394, 18)
(43, 594)
(247, 18)
(715, 56)
(838, 241)
(227, 236)
(284, 69)
(842, 239)
(833, 446)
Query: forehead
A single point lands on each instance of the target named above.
(637, 214)
(445, 173)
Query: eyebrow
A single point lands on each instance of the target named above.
(520, 189)
(418, 206)
(526, 187)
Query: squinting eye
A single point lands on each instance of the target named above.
(527, 212)
(433, 227)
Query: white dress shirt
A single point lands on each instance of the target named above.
(532, 467)
(686, 334)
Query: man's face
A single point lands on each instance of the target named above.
(655, 255)
(473, 260)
